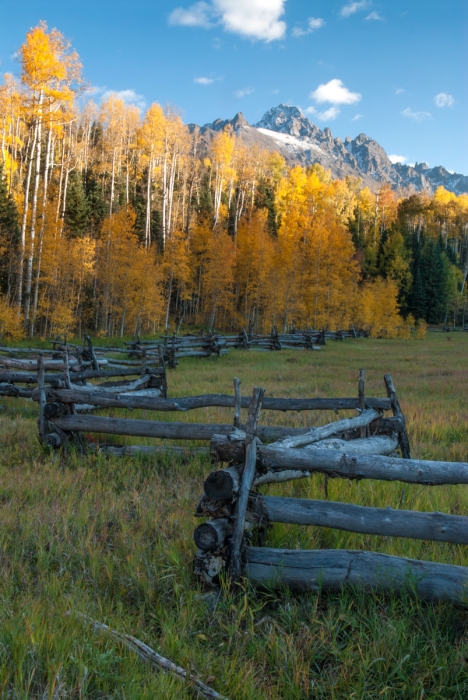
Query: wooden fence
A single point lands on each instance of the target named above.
(72, 367)
(235, 507)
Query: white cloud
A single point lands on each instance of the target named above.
(397, 159)
(328, 115)
(313, 23)
(130, 97)
(356, 117)
(444, 100)
(203, 81)
(254, 19)
(198, 15)
(416, 116)
(243, 92)
(375, 17)
(336, 93)
(400, 91)
(353, 7)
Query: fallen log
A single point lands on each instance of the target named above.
(348, 466)
(154, 659)
(319, 570)
(437, 527)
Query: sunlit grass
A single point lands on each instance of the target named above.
(113, 537)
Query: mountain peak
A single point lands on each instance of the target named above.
(287, 119)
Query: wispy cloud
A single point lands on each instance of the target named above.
(400, 91)
(130, 97)
(353, 7)
(198, 15)
(327, 116)
(443, 99)
(374, 16)
(336, 93)
(203, 81)
(356, 117)
(416, 116)
(243, 92)
(313, 23)
(397, 159)
(253, 19)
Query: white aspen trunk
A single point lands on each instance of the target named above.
(24, 224)
(112, 183)
(148, 207)
(41, 232)
(32, 235)
(164, 202)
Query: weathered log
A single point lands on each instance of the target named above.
(438, 527)
(223, 483)
(335, 428)
(32, 365)
(129, 450)
(319, 570)
(376, 445)
(237, 402)
(278, 477)
(171, 430)
(213, 534)
(248, 475)
(148, 655)
(43, 422)
(7, 389)
(227, 401)
(339, 464)
(403, 435)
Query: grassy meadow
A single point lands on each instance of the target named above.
(112, 537)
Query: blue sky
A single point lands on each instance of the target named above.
(394, 70)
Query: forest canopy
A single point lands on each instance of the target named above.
(116, 221)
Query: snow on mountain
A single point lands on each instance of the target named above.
(285, 129)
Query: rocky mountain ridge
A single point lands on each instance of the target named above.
(286, 130)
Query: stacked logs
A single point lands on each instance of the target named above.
(236, 508)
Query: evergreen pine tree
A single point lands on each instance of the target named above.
(9, 235)
(434, 278)
(97, 207)
(77, 209)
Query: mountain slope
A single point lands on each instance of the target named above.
(286, 130)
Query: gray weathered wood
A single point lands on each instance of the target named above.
(43, 423)
(248, 475)
(151, 428)
(335, 428)
(12, 390)
(438, 527)
(212, 534)
(375, 445)
(403, 435)
(222, 483)
(332, 569)
(337, 463)
(151, 657)
(238, 402)
(129, 450)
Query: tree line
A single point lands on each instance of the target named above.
(119, 222)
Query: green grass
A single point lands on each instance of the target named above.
(113, 538)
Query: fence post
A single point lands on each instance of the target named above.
(248, 475)
(402, 434)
